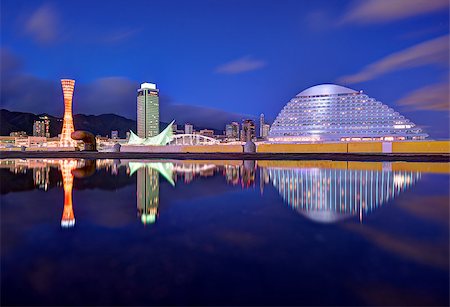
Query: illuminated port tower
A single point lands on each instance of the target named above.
(66, 140)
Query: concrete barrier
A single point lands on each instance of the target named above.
(214, 148)
(159, 149)
(184, 149)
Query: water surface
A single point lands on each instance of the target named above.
(110, 232)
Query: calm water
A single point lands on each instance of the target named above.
(111, 232)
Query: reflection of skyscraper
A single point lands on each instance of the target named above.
(148, 110)
(68, 218)
(248, 171)
(41, 177)
(328, 195)
(147, 194)
(66, 140)
(188, 128)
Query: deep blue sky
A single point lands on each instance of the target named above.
(215, 61)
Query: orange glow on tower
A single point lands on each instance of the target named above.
(68, 86)
(68, 218)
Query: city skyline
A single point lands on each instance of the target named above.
(332, 42)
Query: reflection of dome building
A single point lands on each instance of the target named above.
(330, 112)
(330, 195)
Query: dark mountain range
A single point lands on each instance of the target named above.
(97, 124)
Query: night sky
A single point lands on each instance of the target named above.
(217, 61)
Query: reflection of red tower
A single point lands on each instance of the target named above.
(66, 140)
(68, 218)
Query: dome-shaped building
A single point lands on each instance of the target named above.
(329, 112)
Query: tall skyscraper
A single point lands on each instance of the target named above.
(68, 86)
(188, 128)
(248, 130)
(265, 131)
(232, 131)
(148, 110)
(41, 127)
(261, 125)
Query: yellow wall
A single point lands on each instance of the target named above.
(303, 148)
(374, 147)
(421, 147)
(213, 148)
(442, 147)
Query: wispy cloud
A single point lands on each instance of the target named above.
(42, 25)
(379, 11)
(431, 97)
(435, 51)
(240, 65)
(122, 35)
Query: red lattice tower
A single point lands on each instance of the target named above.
(68, 86)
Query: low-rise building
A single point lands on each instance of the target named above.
(207, 132)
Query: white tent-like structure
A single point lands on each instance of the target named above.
(159, 140)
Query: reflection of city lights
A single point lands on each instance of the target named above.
(323, 194)
(68, 218)
(338, 192)
(400, 180)
(148, 218)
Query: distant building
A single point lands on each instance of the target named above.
(41, 127)
(207, 132)
(18, 134)
(265, 131)
(232, 131)
(31, 141)
(38, 128)
(261, 125)
(175, 129)
(148, 110)
(188, 129)
(114, 134)
(248, 130)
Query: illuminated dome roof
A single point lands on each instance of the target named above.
(326, 89)
(333, 113)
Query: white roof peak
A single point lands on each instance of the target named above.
(326, 89)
